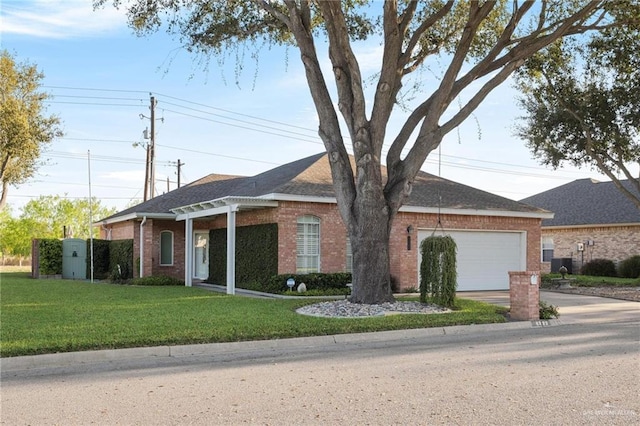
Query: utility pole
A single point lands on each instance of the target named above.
(152, 153)
(150, 170)
(146, 165)
(179, 166)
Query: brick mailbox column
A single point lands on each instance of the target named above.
(524, 295)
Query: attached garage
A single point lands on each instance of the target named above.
(484, 258)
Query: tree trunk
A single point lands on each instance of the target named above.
(3, 195)
(369, 227)
(371, 270)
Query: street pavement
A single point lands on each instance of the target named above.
(581, 369)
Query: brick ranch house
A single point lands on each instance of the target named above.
(592, 220)
(172, 233)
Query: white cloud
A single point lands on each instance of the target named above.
(58, 19)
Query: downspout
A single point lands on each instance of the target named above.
(107, 231)
(144, 220)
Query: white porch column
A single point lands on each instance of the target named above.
(188, 251)
(141, 271)
(231, 249)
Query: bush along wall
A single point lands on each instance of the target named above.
(121, 260)
(630, 267)
(101, 259)
(50, 256)
(600, 268)
(256, 254)
(316, 281)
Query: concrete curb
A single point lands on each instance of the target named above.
(69, 359)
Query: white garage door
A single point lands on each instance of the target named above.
(484, 258)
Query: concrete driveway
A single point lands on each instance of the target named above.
(573, 308)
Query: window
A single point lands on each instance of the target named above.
(166, 248)
(349, 256)
(547, 249)
(308, 245)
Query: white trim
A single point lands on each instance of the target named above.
(299, 198)
(471, 212)
(132, 216)
(216, 211)
(244, 202)
(419, 209)
(592, 225)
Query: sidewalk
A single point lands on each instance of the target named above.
(574, 309)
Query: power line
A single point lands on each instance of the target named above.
(295, 134)
(237, 113)
(93, 89)
(244, 127)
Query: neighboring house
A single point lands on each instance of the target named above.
(296, 207)
(592, 220)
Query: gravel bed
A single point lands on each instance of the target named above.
(346, 309)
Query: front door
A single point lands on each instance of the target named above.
(201, 255)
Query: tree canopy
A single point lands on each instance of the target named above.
(481, 44)
(24, 126)
(581, 100)
(48, 217)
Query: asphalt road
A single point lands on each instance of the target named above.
(566, 373)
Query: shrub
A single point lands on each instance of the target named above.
(600, 268)
(317, 281)
(100, 258)
(158, 280)
(548, 311)
(630, 267)
(438, 276)
(50, 256)
(121, 260)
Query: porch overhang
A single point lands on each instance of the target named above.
(227, 206)
(220, 206)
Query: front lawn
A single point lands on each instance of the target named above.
(47, 316)
(591, 281)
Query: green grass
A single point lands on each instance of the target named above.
(590, 281)
(48, 316)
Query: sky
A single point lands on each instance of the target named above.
(210, 115)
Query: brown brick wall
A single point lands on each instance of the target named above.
(612, 242)
(524, 297)
(117, 231)
(333, 245)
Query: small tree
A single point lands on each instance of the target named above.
(438, 275)
(581, 100)
(25, 129)
(49, 215)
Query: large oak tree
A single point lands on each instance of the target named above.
(481, 42)
(25, 128)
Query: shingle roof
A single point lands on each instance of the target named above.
(586, 202)
(311, 176)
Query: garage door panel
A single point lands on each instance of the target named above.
(485, 257)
